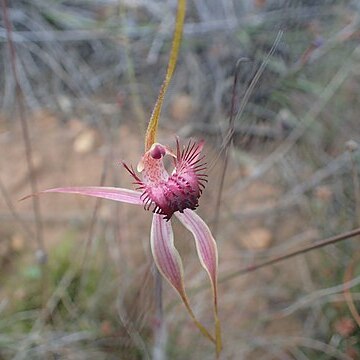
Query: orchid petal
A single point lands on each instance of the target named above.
(208, 255)
(168, 261)
(111, 193)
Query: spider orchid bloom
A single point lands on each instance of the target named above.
(166, 195)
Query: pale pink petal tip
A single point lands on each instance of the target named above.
(111, 193)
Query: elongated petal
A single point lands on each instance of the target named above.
(208, 255)
(165, 254)
(111, 193)
(168, 261)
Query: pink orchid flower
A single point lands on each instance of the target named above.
(166, 195)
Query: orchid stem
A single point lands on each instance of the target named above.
(159, 349)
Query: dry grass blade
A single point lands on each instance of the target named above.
(317, 245)
(26, 136)
(289, 255)
(315, 110)
(347, 293)
(13, 211)
(233, 120)
(227, 146)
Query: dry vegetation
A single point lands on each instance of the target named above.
(90, 72)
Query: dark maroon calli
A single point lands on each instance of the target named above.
(165, 194)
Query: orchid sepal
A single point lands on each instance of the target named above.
(208, 255)
(111, 193)
(169, 264)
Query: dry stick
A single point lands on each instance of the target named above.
(50, 306)
(352, 147)
(308, 119)
(294, 196)
(229, 137)
(289, 341)
(134, 89)
(230, 134)
(276, 259)
(65, 281)
(317, 245)
(91, 228)
(247, 95)
(13, 211)
(356, 184)
(314, 298)
(134, 334)
(26, 137)
(347, 293)
(227, 146)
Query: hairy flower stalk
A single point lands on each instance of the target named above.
(171, 194)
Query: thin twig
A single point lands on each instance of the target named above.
(229, 137)
(311, 298)
(134, 89)
(347, 293)
(13, 211)
(227, 146)
(291, 341)
(93, 222)
(317, 245)
(356, 183)
(312, 114)
(277, 259)
(353, 147)
(294, 196)
(48, 309)
(25, 134)
(251, 87)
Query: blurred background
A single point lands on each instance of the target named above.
(77, 278)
